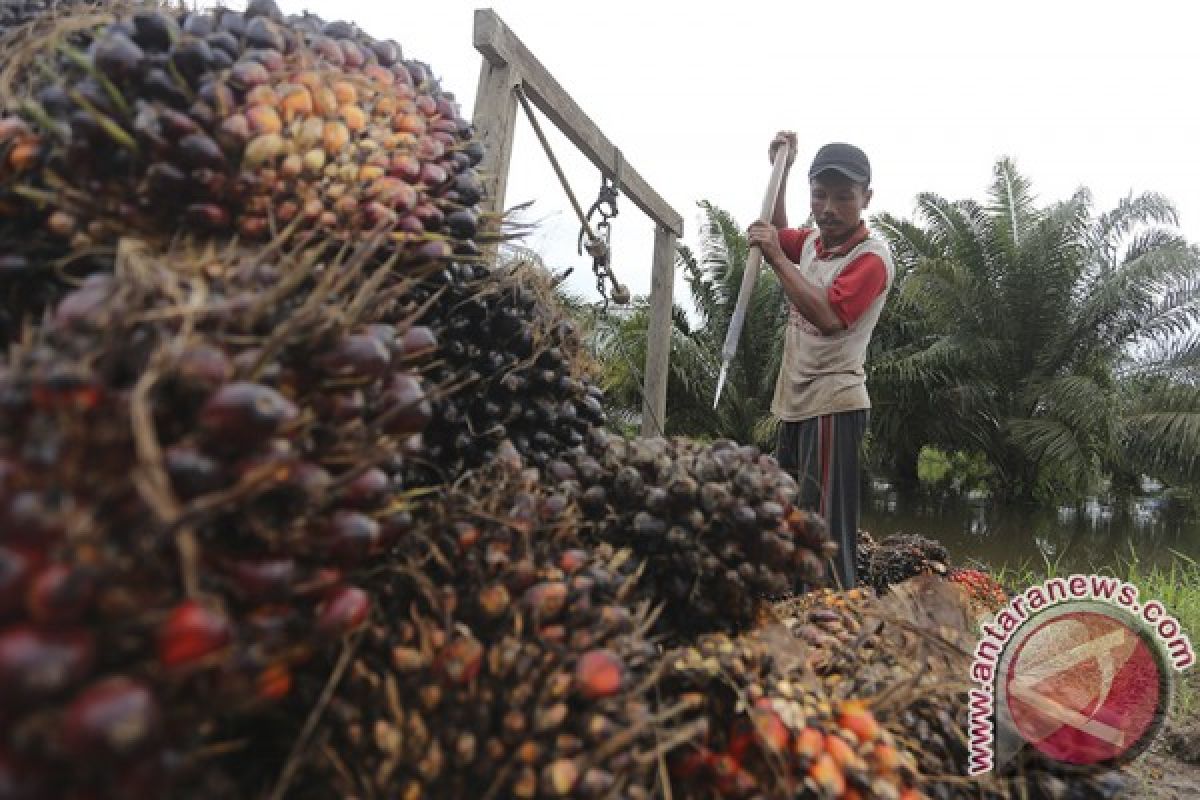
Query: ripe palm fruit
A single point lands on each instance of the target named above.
(185, 515)
(715, 524)
(774, 728)
(902, 556)
(216, 122)
(986, 595)
(509, 662)
(918, 635)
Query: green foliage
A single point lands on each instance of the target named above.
(713, 275)
(1058, 344)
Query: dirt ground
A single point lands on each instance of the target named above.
(1161, 773)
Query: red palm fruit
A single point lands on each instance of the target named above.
(335, 137)
(405, 166)
(61, 594)
(207, 216)
(357, 356)
(856, 718)
(494, 600)
(403, 406)
(418, 342)
(599, 674)
(204, 367)
(274, 682)
(264, 95)
(296, 102)
(460, 661)
(261, 580)
(263, 119)
(572, 561)
(191, 634)
(842, 753)
(885, 759)
(116, 717)
(343, 610)
(808, 744)
(828, 776)
(353, 54)
(367, 490)
(769, 731)
(351, 536)
(730, 778)
(246, 412)
(378, 75)
(191, 472)
(692, 763)
(741, 738)
(546, 600)
(36, 664)
(247, 75)
(395, 194)
(328, 49)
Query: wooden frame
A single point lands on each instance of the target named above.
(507, 64)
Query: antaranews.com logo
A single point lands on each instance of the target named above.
(1077, 668)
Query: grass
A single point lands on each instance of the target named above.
(1176, 585)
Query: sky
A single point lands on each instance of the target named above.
(1095, 94)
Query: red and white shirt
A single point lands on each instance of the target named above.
(824, 374)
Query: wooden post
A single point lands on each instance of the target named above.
(507, 63)
(495, 120)
(658, 333)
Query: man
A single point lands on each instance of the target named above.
(836, 279)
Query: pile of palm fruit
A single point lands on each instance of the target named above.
(910, 650)
(301, 497)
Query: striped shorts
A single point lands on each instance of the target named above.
(822, 454)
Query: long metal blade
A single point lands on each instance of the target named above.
(720, 384)
(750, 274)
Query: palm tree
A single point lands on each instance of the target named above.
(1060, 344)
(713, 277)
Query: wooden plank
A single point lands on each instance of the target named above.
(499, 46)
(658, 333)
(495, 120)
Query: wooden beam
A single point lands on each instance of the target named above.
(494, 120)
(501, 48)
(658, 333)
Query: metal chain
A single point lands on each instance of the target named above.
(599, 247)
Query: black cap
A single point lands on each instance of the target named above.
(844, 158)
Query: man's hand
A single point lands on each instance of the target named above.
(788, 137)
(765, 237)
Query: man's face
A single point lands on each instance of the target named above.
(837, 204)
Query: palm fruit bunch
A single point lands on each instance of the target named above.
(501, 659)
(910, 648)
(518, 367)
(864, 549)
(714, 524)
(773, 730)
(985, 594)
(194, 468)
(902, 556)
(134, 120)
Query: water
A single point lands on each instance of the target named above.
(1092, 537)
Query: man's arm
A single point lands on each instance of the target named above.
(846, 300)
